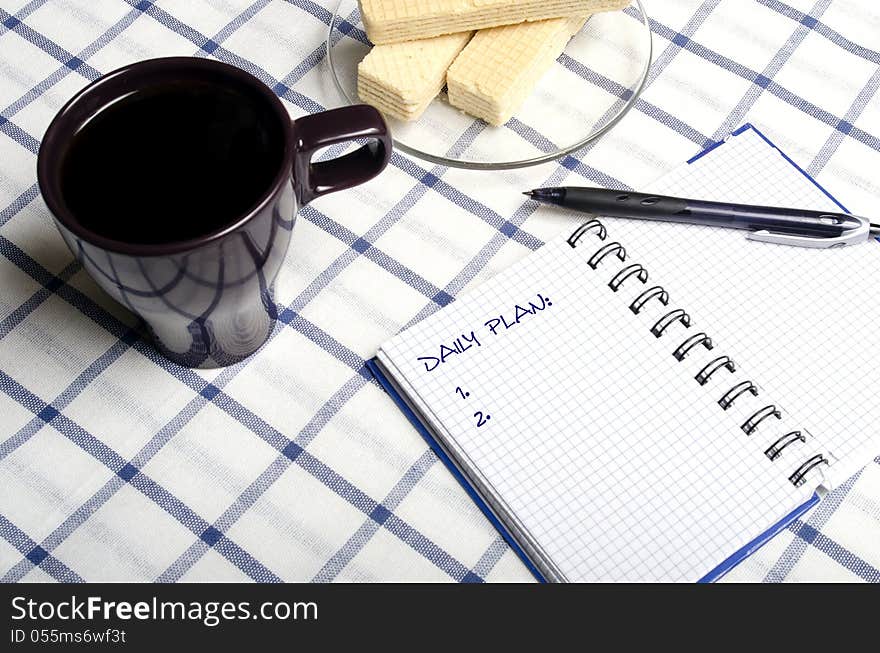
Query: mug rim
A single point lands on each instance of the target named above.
(63, 126)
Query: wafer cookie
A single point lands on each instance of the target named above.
(498, 69)
(391, 21)
(401, 79)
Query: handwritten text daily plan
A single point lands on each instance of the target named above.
(495, 326)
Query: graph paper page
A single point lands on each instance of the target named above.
(806, 320)
(592, 438)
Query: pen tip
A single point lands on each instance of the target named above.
(546, 195)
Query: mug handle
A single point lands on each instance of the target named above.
(312, 132)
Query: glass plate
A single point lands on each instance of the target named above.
(587, 91)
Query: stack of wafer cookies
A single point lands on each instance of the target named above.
(489, 53)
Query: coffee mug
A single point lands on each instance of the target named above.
(176, 183)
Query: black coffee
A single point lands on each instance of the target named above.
(172, 162)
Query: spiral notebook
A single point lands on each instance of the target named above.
(642, 401)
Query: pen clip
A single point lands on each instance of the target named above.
(858, 235)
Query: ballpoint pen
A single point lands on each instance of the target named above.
(801, 227)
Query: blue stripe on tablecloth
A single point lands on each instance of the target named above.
(846, 559)
(315, 57)
(94, 311)
(362, 535)
(199, 547)
(477, 208)
(183, 514)
(172, 23)
(649, 109)
(23, 13)
(117, 464)
(426, 547)
(78, 517)
(30, 305)
(387, 518)
(327, 342)
(409, 199)
(342, 233)
(699, 17)
(62, 400)
(48, 414)
(490, 557)
(19, 203)
(818, 518)
(295, 451)
(18, 135)
(822, 29)
(212, 47)
(316, 10)
(36, 555)
(866, 94)
(238, 21)
(489, 249)
(544, 144)
(765, 78)
(115, 30)
(48, 46)
(775, 88)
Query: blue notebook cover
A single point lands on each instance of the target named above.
(721, 569)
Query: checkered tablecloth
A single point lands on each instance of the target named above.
(118, 465)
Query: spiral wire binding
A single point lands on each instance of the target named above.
(694, 341)
(731, 395)
(777, 447)
(722, 362)
(638, 272)
(797, 479)
(677, 315)
(584, 229)
(631, 269)
(755, 420)
(611, 248)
